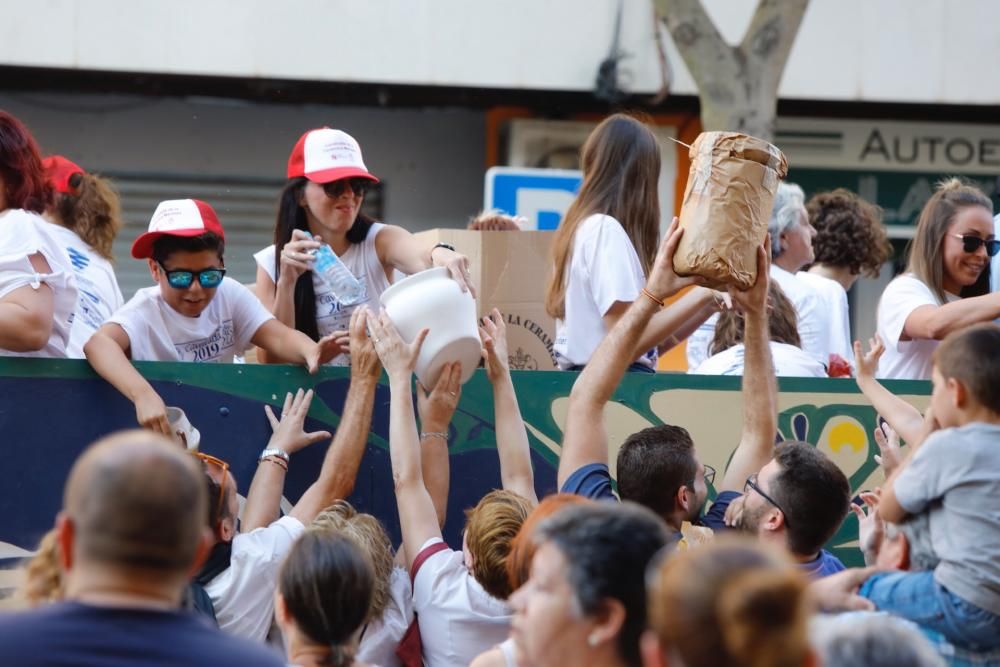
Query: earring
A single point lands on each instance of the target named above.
(592, 640)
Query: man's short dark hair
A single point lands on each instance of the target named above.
(654, 464)
(136, 501)
(813, 494)
(167, 245)
(970, 356)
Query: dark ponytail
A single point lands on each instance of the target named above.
(292, 216)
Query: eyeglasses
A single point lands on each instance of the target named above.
(709, 476)
(971, 244)
(223, 468)
(359, 186)
(751, 483)
(180, 279)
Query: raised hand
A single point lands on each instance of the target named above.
(437, 406)
(398, 357)
(871, 529)
(288, 432)
(457, 265)
(866, 364)
(663, 282)
(890, 455)
(364, 359)
(332, 345)
(754, 300)
(493, 332)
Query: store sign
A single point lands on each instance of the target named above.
(894, 164)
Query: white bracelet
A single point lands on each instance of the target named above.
(434, 434)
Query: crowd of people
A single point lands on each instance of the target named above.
(152, 561)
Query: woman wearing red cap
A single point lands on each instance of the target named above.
(322, 201)
(37, 290)
(87, 216)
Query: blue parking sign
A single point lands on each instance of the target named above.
(540, 195)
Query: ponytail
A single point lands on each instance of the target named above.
(93, 213)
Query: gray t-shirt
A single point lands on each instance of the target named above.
(955, 475)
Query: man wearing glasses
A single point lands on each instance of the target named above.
(130, 533)
(659, 468)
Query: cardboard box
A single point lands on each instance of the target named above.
(510, 271)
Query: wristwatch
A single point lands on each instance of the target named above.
(274, 452)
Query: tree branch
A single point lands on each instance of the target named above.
(769, 38)
(707, 55)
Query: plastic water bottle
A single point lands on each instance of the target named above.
(334, 273)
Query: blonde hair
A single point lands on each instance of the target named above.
(94, 214)
(621, 168)
(43, 580)
(367, 534)
(490, 528)
(926, 258)
(731, 603)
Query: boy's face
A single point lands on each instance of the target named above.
(943, 400)
(192, 301)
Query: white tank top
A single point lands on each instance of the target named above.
(507, 649)
(362, 260)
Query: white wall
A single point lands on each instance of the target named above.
(930, 51)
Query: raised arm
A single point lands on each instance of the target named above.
(107, 352)
(760, 393)
(905, 419)
(418, 520)
(288, 436)
(512, 438)
(279, 297)
(398, 248)
(340, 466)
(936, 322)
(585, 440)
(436, 409)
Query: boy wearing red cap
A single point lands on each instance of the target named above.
(193, 314)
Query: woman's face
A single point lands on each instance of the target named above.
(963, 268)
(797, 242)
(331, 214)
(548, 629)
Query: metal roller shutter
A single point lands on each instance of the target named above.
(246, 208)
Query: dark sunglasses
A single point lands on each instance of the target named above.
(209, 278)
(359, 186)
(971, 244)
(751, 483)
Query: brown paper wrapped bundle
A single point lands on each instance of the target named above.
(727, 204)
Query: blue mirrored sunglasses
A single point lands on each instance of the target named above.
(209, 278)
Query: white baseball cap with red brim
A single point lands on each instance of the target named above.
(325, 155)
(177, 217)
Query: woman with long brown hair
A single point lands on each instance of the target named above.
(86, 214)
(37, 290)
(604, 248)
(946, 284)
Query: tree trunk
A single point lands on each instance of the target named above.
(737, 85)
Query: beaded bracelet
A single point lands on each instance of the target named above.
(434, 434)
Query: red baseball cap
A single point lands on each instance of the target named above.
(59, 171)
(177, 217)
(324, 155)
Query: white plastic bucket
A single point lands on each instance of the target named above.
(432, 300)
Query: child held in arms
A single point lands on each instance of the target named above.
(194, 313)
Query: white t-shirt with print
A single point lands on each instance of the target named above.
(225, 328)
(813, 321)
(243, 594)
(382, 636)
(362, 261)
(905, 359)
(604, 268)
(98, 293)
(789, 361)
(23, 234)
(458, 618)
(833, 302)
